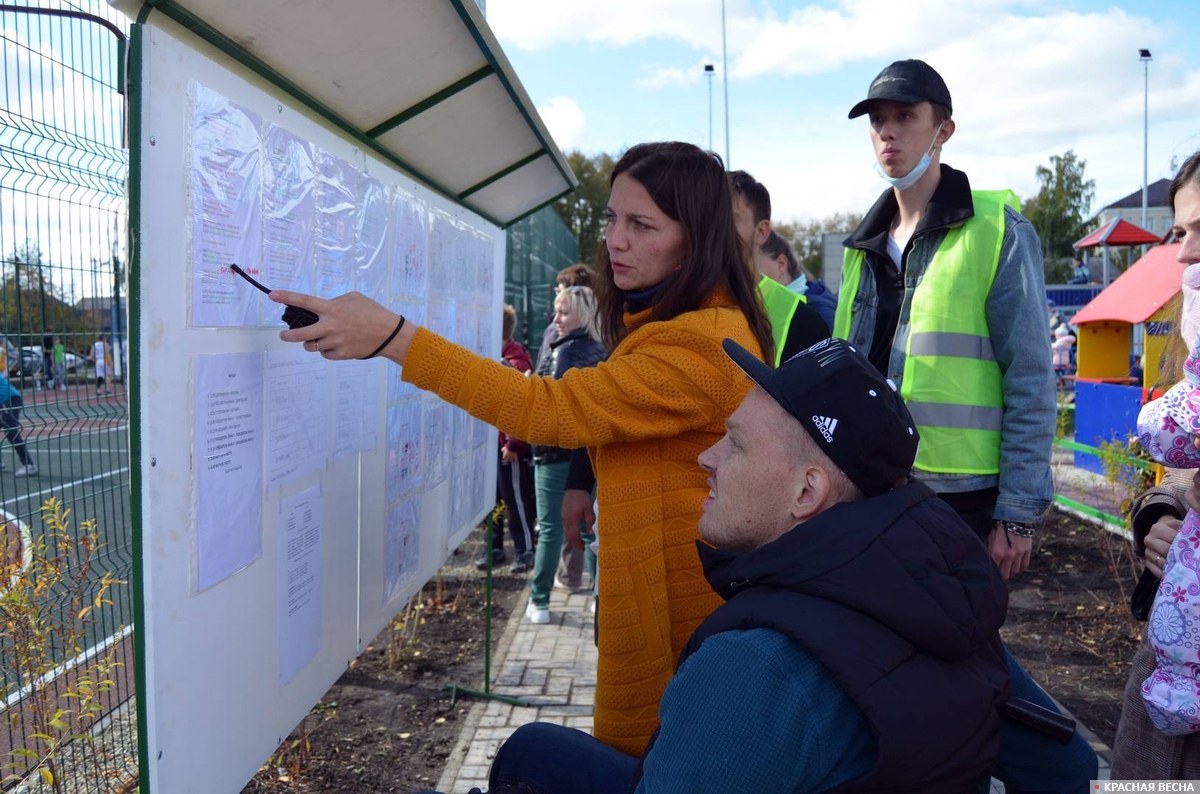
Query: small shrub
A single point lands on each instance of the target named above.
(47, 595)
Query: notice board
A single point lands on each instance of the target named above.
(286, 507)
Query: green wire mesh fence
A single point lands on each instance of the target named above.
(63, 355)
(538, 247)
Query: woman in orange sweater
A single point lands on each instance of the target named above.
(672, 286)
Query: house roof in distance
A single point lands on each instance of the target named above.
(1156, 196)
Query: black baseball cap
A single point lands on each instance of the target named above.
(853, 413)
(906, 81)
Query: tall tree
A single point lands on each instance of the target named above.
(808, 237)
(1061, 209)
(32, 302)
(583, 210)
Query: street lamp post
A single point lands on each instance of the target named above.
(1145, 58)
(725, 80)
(708, 72)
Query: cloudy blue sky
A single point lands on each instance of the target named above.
(1029, 79)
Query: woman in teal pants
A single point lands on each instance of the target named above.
(578, 345)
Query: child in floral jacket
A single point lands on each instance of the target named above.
(1169, 429)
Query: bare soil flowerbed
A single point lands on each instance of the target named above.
(1069, 622)
(387, 725)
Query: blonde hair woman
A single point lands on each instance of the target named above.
(577, 345)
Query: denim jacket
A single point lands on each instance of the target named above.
(1017, 323)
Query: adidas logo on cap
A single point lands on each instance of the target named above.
(826, 425)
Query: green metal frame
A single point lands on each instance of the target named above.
(496, 177)
(182, 16)
(543, 205)
(133, 95)
(465, 16)
(427, 103)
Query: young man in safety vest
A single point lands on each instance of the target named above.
(943, 287)
(794, 324)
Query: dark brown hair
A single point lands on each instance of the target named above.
(754, 192)
(776, 245)
(1175, 351)
(1188, 172)
(575, 276)
(690, 186)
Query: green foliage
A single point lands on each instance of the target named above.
(1060, 211)
(1128, 468)
(807, 238)
(1064, 424)
(47, 593)
(32, 301)
(583, 210)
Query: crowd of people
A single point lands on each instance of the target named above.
(805, 506)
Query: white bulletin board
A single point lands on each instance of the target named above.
(289, 506)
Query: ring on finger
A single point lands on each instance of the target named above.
(317, 345)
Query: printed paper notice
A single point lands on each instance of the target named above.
(297, 415)
(299, 581)
(437, 441)
(371, 260)
(287, 223)
(226, 216)
(355, 406)
(335, 201)
(401, 548)
(228, 466)
(410, 241)
(403, 449)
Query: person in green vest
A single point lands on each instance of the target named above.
(777, 261)
(60, 364)
(795, 325)
(943, 289)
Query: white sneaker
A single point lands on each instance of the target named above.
(28, 470)
(536, 614)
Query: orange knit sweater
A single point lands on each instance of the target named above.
(646, 413)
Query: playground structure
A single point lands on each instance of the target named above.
(1124, 324)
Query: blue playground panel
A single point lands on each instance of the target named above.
(1103, 412)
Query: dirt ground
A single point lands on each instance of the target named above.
(1069, 622)
(388, 724)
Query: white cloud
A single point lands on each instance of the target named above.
(1029, 78)
(539, 24)
(675, 76)
(815, 39)
(565, 121)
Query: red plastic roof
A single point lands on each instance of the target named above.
(1140, 291)
(1118, 232)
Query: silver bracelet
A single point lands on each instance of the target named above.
(1020, 530)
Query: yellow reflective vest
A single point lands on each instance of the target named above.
(952, 384)
(780, 304)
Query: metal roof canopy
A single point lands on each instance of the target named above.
(422, 83)
(1118, 232)
(1140, 291)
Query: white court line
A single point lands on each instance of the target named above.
(86, 656)
(66, 485)
(78, 450)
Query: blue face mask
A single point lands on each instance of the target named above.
(913, 176)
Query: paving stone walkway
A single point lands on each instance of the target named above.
(551, 666)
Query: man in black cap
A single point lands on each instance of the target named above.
(857, 647)
(943, 288)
